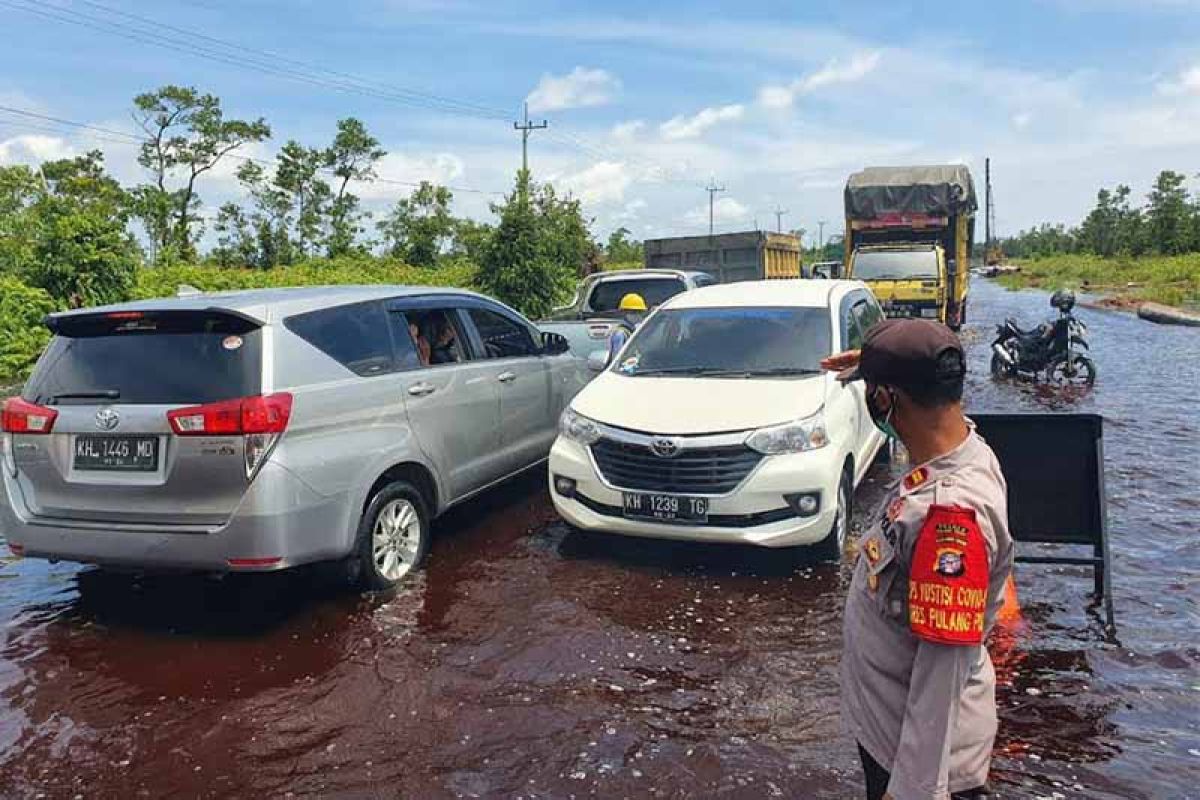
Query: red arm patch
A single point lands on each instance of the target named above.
(948, 578)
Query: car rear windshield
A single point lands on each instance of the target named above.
(730, 342)
(169, 358)
(606, 295)
(895, 264)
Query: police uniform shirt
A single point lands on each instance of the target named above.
(918, 688)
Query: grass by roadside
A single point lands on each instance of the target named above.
(1172, 280)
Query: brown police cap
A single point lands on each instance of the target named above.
(905, 352)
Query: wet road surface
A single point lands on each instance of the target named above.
(530, 661)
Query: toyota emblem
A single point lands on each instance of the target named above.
(107, 419)
(664, 447)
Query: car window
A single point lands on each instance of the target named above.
(865, 315)
(606, 295)
(169, 357)
(852, 334)
(502, 337)
(356, 336)
(435, 335)
(705, 280)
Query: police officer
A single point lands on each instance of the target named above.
(918, 689)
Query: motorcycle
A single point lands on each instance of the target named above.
(1054, 348)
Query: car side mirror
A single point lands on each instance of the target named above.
(597, 360)
(554, 344)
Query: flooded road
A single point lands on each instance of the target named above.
(530, 661)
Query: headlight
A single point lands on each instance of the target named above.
(790, 437)
(578, 428)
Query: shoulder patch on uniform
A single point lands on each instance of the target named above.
(948, 578)
(915, 478)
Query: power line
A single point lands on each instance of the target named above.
(268, 62)
(131, 140)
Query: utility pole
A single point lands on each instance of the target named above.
(779, 212)
(821, 234)
(712, 190)
(987, 209)
(526, 127)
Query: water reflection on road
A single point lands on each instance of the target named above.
(528, 660)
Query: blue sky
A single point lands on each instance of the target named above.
(646, 101)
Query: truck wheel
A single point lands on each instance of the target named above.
(393, 536)
(834, 544)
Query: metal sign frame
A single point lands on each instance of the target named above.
(1054, 466)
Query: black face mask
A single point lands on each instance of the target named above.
(881, 418)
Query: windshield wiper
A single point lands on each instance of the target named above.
(785, 371)
(95, 394)
(672, 371)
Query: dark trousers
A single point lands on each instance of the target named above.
(878, 777)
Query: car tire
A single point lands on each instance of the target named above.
(393, 537)
(834, 544)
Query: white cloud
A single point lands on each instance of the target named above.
(580, 88)
(34, 149)
(631, 211)
(1188, 82)
(682, 127)
(724, 210)
(602, 182)
(1021, 120)
(440, 168)
(626, 131)
(833, 73)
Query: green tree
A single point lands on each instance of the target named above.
(268, 225)
(470, 240)
(420, 226)
(1098, 232)
(352, 156)
(297, 175)
(69, 224)
(22, 335)
(19, 189)
(621, 249)
(1168, 214)
(186, 134)
(539, 245)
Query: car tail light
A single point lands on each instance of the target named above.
(260, 419)
(21, 416)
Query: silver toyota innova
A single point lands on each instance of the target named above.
(259, 430)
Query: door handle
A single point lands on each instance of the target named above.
(421, 389)
(507, 377)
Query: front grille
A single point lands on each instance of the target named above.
(702, 470)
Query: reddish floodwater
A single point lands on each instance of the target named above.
(528, 661)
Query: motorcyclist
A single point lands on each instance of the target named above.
(633, 311)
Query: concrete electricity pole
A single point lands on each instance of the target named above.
(779, 212)
(526, 127)
(820, 234)
(712, 190)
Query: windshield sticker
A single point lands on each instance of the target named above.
(231, 342)
(629, 365)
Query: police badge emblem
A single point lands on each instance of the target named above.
(949, 563)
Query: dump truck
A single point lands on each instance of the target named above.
(908, 236)
(729, 257)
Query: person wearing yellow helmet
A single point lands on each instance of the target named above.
(633, 311)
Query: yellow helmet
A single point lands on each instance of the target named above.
(632, 302)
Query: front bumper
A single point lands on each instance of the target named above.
(753, 513)
(280, 523)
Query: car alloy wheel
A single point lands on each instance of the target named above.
(396, 539)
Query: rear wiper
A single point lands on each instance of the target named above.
(96, 394)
